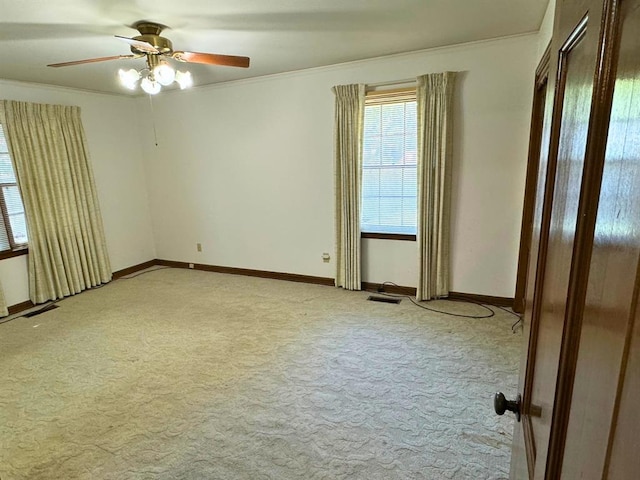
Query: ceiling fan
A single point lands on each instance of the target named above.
(156, 48)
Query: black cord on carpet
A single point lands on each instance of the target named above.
(485, 306)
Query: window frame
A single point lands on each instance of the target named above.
(381, 97)
(15, 249)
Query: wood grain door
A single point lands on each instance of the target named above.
(601, 420)
(581, 366)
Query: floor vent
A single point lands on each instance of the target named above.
(375, 298)
(42, 310)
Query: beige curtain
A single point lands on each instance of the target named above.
(349, 113)
(435, 115)
(4, 311)
(67, 249)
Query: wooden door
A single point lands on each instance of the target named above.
(602, 426)
(580, 376)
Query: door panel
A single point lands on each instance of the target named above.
(623, 461)
(607, 321)
(576, 40)
(574, 94)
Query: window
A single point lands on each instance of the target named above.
(389, 163)
(13, 228)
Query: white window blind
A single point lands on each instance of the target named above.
(389, 164)
(13, 228)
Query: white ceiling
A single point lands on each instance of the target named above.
(278, 35)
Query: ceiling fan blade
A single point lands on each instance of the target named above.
(92, 60)
(139, 44)
(212, 59)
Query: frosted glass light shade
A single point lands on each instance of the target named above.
(153, 81)
(150, 86)
(128, 78)
(164, 74)
(184, 79)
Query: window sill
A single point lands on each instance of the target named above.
(13, 253)
(389, 236)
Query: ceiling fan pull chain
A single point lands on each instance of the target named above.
(153, 120)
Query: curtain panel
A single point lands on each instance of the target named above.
(4, 311)
(435, 126)
(349, 115)
(67, 247)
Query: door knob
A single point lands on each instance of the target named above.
(501, 405)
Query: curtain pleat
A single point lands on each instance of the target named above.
(349, 114)
(67, 247)
(435, 118)
(4, 311)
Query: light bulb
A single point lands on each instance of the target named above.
(164, 74)
(150, 86)
(128, 78)
(184, 79)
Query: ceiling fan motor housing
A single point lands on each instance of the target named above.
(150, 33)
(162, 44)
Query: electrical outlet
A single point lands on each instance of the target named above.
(199, 247)
(191, 265)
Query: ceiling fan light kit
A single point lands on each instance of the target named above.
(156, 75)
(150, 86)
(164, 74)
(184, 79)
(158, 72)
(129, 78)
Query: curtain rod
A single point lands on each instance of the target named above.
(392, 82)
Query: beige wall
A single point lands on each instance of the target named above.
(246, 168)
(546, 28)
(111, 124)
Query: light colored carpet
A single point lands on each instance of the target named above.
(179, 374)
